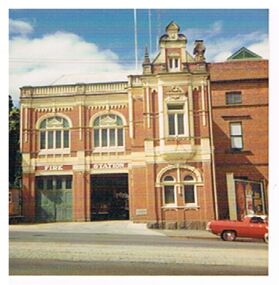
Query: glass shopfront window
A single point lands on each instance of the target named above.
(250, 198)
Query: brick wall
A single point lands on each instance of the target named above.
(249, 78)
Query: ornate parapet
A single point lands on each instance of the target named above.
(76, 89)
(134, 81)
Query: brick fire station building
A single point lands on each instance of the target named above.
(182, 143)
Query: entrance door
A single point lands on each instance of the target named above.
(109, 197)
(54, 198)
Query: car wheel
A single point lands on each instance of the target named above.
(228, 235)
(266, 237)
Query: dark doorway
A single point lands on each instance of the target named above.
(109, 197)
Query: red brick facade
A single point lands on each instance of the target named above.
(169, 116)
(250, 79)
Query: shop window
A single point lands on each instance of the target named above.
(236, 136)
(176, 126)
(169, 191)
(233, 98)
(189, 190)
(249, 198)
(54, 134)
(108, 132)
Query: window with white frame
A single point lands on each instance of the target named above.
(189, 190)
(169, 191)
(174, 64)
(108, 132)
(54, 134)
(236, 136)
(176, 115)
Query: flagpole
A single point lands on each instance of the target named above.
(136, 39)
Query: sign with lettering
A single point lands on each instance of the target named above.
(50, 167)
(53, 167)
(115, 165)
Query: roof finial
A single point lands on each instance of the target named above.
(146, 56)
(147, 69)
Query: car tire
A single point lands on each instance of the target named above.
(266, 238)
(228, 235)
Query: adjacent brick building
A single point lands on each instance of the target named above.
(239, 90)
(154, 149)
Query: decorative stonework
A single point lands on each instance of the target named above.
(175, 90)
(175, 98)
(54, 109)
(138, 97)
(108, 121)
(108, 107)
(54, 124)
(199, 51)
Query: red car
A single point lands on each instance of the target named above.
(249, 227)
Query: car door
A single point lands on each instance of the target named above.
(256, 228)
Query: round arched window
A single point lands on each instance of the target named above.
(188, 178)
(54, 133)
(108, 131)
(168, 179)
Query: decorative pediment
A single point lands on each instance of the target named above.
(175, 90)
(176, 93)
(108, 121)
(175, 98)
(172, 30)
(54, 123)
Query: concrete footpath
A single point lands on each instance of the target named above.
(110, 227)
(194, 234)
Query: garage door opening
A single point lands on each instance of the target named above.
(109, 197)
(53, 198)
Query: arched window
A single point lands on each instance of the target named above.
(169, 191)
(190, 195)
(108, 131)
(54, 133)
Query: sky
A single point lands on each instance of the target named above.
(66, 46)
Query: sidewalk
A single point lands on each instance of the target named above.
(193, 234)
(110, 227)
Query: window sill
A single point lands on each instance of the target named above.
(108, 149)
(238, 151)
(54, 151)
(186, 207)
(177, 137)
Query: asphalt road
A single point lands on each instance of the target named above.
(58, 267)
(46, 253)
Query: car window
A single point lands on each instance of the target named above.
(256, 220)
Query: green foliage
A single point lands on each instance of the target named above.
(14, 152)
